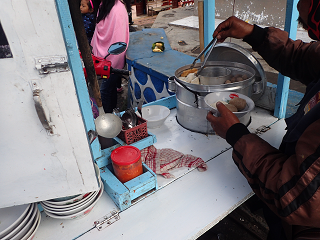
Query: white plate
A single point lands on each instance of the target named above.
(10, 217)
(53, 205)
(82, 213)
(30, 234)
(22, 224)
(62, 212)
(28, 225)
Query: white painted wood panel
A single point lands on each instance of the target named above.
(36, 165)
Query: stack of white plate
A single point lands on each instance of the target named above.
(19, 222)
(75, 207)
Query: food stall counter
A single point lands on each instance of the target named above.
(183, 207)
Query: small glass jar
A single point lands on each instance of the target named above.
(126, 162)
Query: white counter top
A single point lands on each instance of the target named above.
(184, 207)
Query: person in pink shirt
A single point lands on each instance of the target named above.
(112, 25)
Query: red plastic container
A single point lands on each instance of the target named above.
(126, 162)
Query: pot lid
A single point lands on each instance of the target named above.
(234, 53)
(125, 155)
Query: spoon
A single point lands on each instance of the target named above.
(140, 109)
(130, 118)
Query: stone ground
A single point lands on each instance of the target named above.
(245, 222)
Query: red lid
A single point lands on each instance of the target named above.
(125, 155)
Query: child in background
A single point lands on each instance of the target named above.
(87, 9)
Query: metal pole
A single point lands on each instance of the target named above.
(291, 25)
(209, 20)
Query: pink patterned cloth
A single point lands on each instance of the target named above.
(162, 160)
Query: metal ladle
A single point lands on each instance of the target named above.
(108, 125)
(130, 118)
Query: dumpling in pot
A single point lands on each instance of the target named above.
(195, 80)
(190, 77)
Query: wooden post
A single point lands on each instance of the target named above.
(85, 49)
(201, 26)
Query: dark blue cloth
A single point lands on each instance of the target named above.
(88, 22)
(108, 90)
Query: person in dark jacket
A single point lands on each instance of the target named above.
(287, 179)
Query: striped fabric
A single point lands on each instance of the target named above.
(162, 160)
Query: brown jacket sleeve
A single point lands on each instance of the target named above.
(295, 59)
(288, 185)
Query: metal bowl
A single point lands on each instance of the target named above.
(233, 66)
(214, 75)
(108, 125)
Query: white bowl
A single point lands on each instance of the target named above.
(11, 217)
(83, 212)
(53, 205)
(23, 225)
(214, 97)
(68, 211)
(155, 115)
(30, 234)
(22, 232)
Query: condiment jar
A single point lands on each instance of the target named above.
(126, 162)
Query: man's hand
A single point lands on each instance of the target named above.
(221, 124)
(232, 27)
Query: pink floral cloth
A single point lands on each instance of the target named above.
(162, 160)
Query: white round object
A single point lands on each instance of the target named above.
(212, 98)
(59, 205)
(68, 200)
(10, 217)
(155, 115)
(64, 212)
(108, 125)
(30, 220)
(30, 234)
(22, 224)
(82, 213)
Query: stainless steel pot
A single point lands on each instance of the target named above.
(191, 108)
(214, 75)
